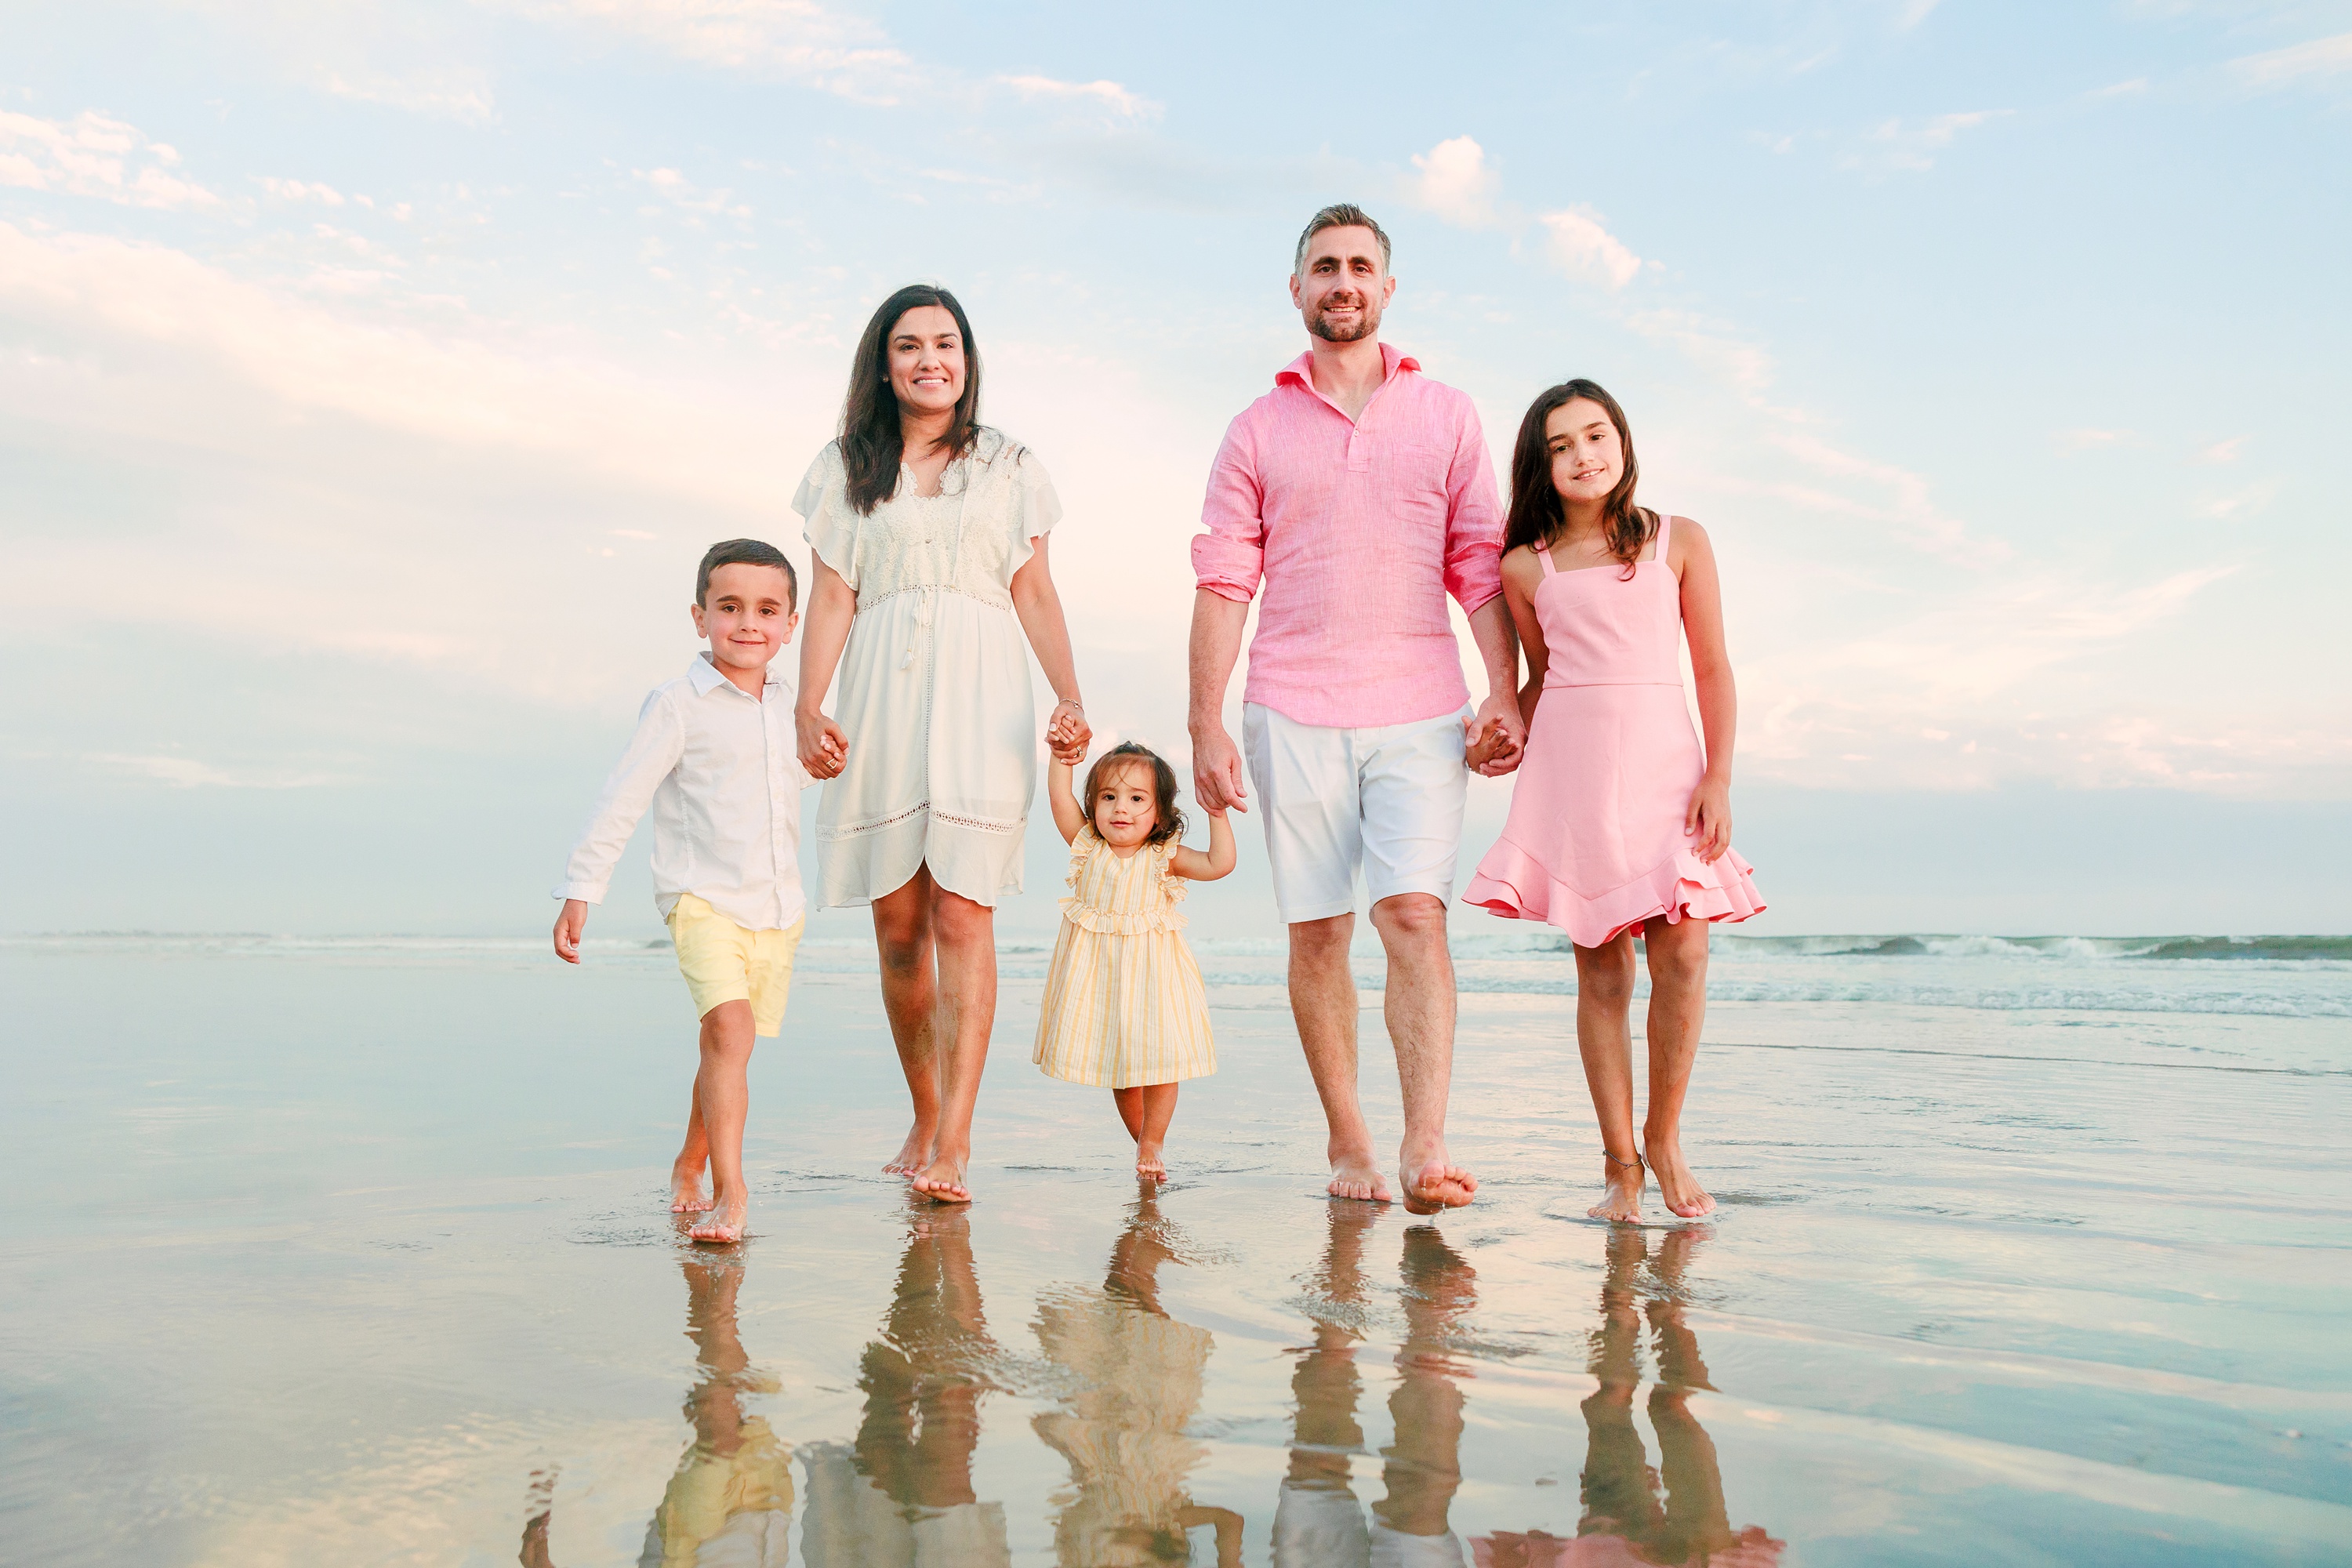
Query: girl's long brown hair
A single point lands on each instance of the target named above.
(1536, 510)
(872, 445)
(1134, 753)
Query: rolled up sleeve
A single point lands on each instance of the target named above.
(1474, 520)
(1229, 560)
(653, 752)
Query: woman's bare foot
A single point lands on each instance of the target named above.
(724, 1225)
(1621, 1193)
(1149, 1163)
(1680, 1190)
(685, 1195)
(941, 1181)
(1432, 1182)
(1355, 1173)
(913, 1155)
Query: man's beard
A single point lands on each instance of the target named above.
(1368, 321)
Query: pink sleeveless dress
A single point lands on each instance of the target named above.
(1595, 843)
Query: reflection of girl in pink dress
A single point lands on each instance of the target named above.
(1619, 824)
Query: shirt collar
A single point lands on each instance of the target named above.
(709, 677)
(1393, 360)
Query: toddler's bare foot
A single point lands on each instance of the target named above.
(1149, 1164)
(685, 1190)
(1356, 1175)
(941, 1181)
(1432, 1182)
(724, 1226)
(913, 1155)
(1680, 1190)
(1621, 1193)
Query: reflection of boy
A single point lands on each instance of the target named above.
(714, 757)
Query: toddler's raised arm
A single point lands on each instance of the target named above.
(1068, 815)
(1218, 861)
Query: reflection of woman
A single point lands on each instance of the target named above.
(904, 1494)
(929, 531)
(1123, 1433)
(1633, 1514)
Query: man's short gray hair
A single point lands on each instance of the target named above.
(1339, 215)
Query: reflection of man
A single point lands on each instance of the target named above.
(1359, 494)
(1319, 1523)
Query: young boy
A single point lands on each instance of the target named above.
(714, 754)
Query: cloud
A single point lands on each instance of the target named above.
(796, 40)
(91, 155)
(1109, 93)
(676, 188)
(2316, 56)
(2226, 451)
(299, 191)
(1579, 246)
(460, 95)
(1455, 182)
(1900, 144)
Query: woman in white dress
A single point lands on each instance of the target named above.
(928, 534)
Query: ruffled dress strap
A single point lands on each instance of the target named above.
(829, 522)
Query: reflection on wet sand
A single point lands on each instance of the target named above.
(1318, 1522)
(1633, 1514)
(1122, 1431)
(902, 1496)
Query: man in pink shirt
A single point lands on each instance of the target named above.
(1360, 493)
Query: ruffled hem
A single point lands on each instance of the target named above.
(1086, 917)
(1515, 884)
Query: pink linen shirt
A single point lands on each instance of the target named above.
(1357, 529)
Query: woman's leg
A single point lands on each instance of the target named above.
(1677, 1008)
(965, 935)
(902, 933)
(1158, 1109)
(1604, 1037)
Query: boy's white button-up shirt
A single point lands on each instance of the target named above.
(722, 771)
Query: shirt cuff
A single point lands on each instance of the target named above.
(1227, 569)
(586, 892)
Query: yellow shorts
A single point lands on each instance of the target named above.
(724, 962)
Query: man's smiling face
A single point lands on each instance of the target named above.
(1343, 285)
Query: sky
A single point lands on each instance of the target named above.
(373, 375)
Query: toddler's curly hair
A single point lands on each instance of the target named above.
(1131, 754)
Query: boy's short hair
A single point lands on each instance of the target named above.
(744, 553)
(1339, 215)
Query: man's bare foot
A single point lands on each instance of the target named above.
(1432, 1183)
(1149, 1164)
(686, 1195)
(1356, 1175)
(1680, 1190)
(724, 1225)
(1621, 1191)
(913, 1155)
(941, 1181)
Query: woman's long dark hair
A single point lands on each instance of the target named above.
(1536, 510)
(872, 445)
(1134, 753)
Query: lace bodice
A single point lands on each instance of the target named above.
(970, 537)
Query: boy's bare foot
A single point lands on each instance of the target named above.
(1148, 1162)
(913, 1155)
(686, 1195)
(1621, 1191)
(725, 1225)
(1680, 1190)
(941, 1181)
(1356, 1175)
(1431, 1182)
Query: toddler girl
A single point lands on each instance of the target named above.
(1123, 1000)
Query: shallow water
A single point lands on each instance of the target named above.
(355, 1252)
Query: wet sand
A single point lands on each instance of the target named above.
(361, 1255)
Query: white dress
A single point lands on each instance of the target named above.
(934, 683)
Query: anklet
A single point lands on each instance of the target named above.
(1635, 1161)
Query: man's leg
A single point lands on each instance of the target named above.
(902, 935)
(1323, 1005)
(966, 936)
(723, 1088)
(1419, 1008)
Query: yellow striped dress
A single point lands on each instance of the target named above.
(1123, 1000)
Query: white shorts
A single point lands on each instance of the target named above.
(1387, 798)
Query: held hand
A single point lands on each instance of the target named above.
(1499, 719)
(1709, 820)
(568, 926)
(1067, 733)
(1217, 772)
(824, 749)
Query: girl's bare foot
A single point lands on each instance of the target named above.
(1148, 1162)
(1621, 1193)
(724, 1225)
(941, 1181)
(913, 1155)
(1680, 1190)
(685, 1190)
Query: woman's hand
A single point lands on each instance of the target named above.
(824, 749)
(1709, 820)
(1067, 733)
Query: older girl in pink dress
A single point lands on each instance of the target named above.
(1619, 822)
